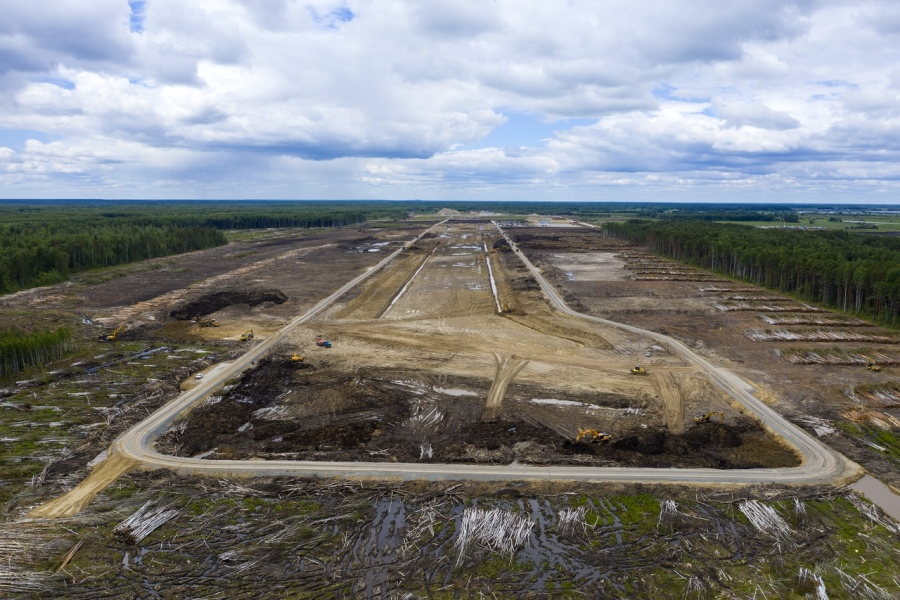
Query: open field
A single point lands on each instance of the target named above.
(424, 369)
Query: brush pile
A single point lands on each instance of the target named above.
(497, 531)
(764, 518)
(145, 521)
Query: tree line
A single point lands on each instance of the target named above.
(43, 243)
(42, 254)
(19, 350)
(856, 274)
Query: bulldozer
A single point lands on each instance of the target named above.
(596, 436)
(207, 322)
(638, 371)
(506, 308)
(296, 358)
(708, 416)
(112, 336)
(247, 335)
(871, 366)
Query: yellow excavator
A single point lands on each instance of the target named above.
(596, 436)
(506, 308)
(708, 416)
(247, 335)
(296, 358)
(114, 335)
(639, 371)
(870, 365)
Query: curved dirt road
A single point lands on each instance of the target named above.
(820, 463)
(133, 448)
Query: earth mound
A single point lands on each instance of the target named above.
(216, 301)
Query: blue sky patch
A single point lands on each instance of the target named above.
(16, 138)
(333, 18)
(522, 129)
(58, 82)
(138, 10)
(665, 91)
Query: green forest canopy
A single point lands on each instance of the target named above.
(854, 273)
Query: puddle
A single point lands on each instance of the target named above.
(880, 494)
(454, 391)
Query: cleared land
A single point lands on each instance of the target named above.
(813, 375)
(397, 385)
(436, 374)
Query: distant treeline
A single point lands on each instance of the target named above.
(41, 254)
(737, 215)
(853, 273)
(45, 242)
(19, 350)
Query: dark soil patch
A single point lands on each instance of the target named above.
(314, 413)
(216, 301)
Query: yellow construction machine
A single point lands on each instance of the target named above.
(207, 322)
(639, 371)
(114, 335)
(872, 366)
(296, 357)
(247, 335)
(596, 436)
(708, 416)
(506, 308)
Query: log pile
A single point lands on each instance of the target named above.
(145, 521)
(764, 518)
(822, 427)
(836, 356)
(497, 531)
(746, 306)
(820, 335)
(824, 321)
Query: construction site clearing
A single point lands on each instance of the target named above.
(452, 354)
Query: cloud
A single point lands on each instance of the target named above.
(753, 114)
(359, 98)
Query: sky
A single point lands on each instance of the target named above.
(620, 100)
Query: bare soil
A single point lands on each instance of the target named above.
(424, 368)
(685, 306)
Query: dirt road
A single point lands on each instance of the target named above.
(436, 317)
(820, 463)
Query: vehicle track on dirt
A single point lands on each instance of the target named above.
(133, 449)
(820, 464)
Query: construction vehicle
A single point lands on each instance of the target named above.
(112, 336)
(322, 342)
(247, 335)
(639, 371)
(872, 366)
(506, 308)
(708, 416)
(206, 322)
(596, 436)
(296, 358)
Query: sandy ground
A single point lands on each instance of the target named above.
(424, 340)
